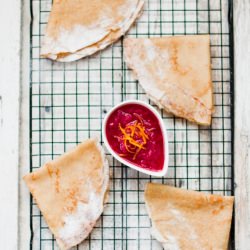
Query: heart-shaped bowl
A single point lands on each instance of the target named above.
(134, 133)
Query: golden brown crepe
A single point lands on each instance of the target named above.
(71, 191)
(78, 28)
(175, 73)
(183, 219)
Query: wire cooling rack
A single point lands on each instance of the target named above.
(69, 101)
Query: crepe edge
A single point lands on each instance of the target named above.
(154, 231)
(100, 45)
(128, 45)
(61, 243)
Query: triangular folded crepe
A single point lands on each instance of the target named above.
(71, 191)
(175, 72)
(78, 28)
(183, 219)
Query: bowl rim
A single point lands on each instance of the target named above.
(164, 133)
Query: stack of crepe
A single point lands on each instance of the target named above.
(78, 28)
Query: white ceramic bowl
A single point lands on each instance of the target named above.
(164, 133)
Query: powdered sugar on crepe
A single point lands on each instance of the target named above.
(170, 243)
(154, 56)
(69, 41)
(82, 221)
(141, 72)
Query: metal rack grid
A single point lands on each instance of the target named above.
(69, 101)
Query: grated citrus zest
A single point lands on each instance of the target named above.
(134, 136)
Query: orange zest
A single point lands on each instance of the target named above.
(134, 137)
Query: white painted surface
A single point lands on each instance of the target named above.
(24, 205)
(10, 24)
(242, 123)
(9, 125)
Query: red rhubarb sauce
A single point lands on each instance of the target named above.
(134, 133)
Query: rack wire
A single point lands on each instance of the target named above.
(69, 101)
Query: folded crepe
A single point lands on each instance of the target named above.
(183, 219)
(71, 191)
(175, 72)
(78, 28)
